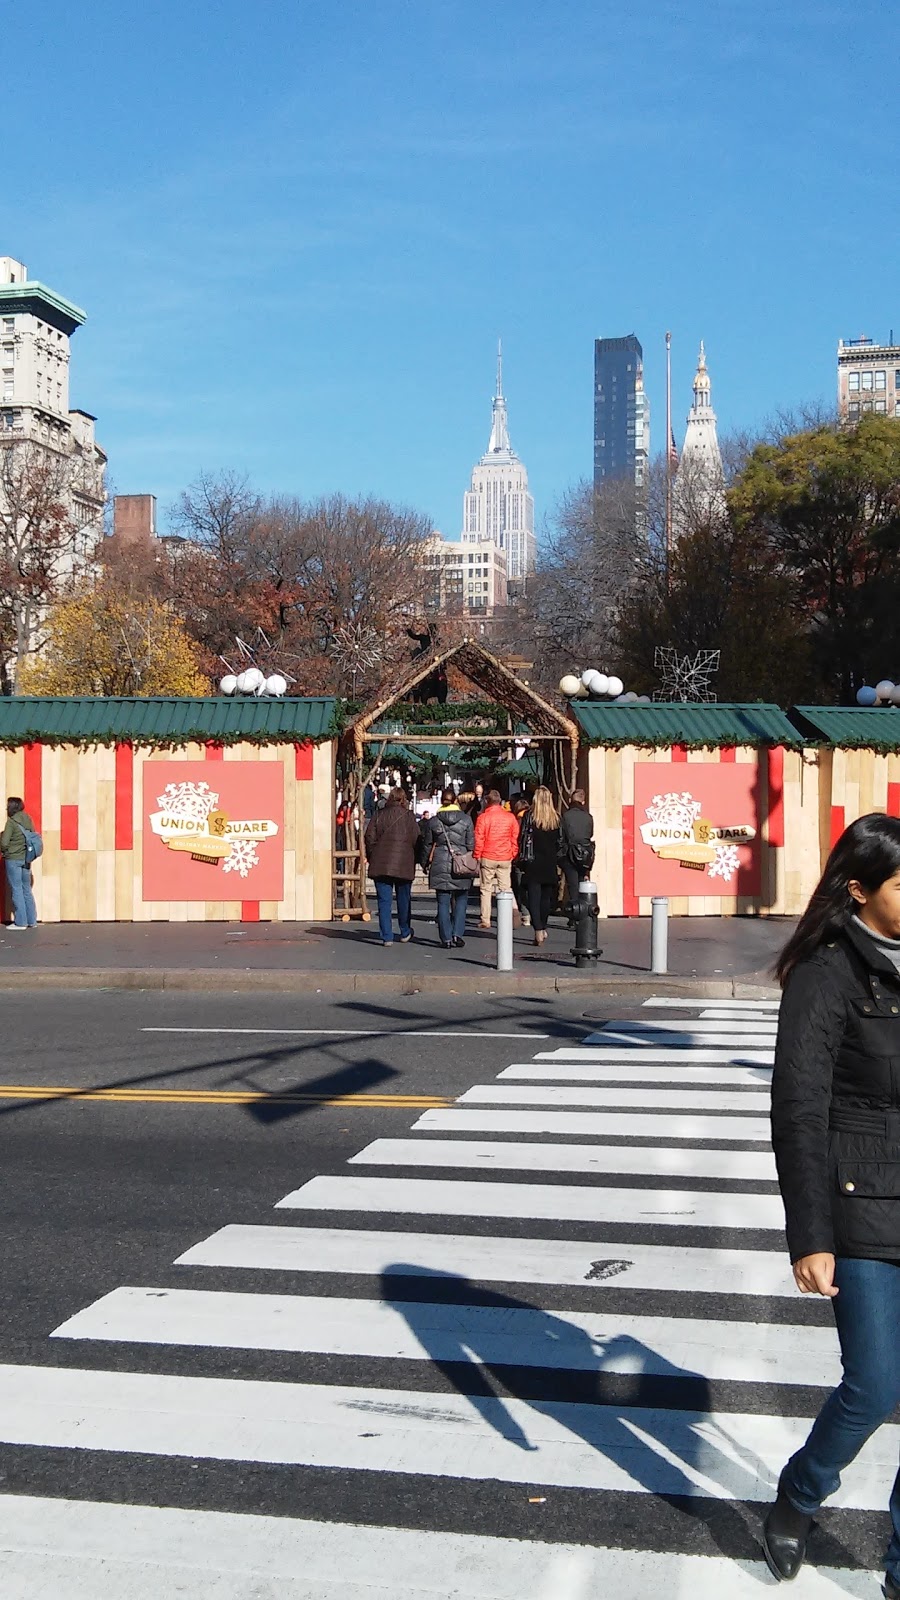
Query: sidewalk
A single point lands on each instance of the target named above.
(708, 956)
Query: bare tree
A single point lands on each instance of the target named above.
(591, 549)
(215, 511)
(38, 540)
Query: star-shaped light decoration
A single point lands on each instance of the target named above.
(685, 678)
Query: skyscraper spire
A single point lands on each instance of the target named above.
(498, 509)
(699, 495)
(499, 441)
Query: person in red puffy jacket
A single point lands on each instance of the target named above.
(496, 848)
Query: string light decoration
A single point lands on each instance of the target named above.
(356, 648)
(685, 678)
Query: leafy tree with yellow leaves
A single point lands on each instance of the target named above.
(101, 641)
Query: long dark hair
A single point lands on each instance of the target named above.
(869, 850)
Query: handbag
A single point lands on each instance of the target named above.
(526, 841)
(581, 853)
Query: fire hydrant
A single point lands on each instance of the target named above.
(585, 949)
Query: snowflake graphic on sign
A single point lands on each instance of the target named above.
(727, 862)
(194, 800)
(243, 858)
(674, 810)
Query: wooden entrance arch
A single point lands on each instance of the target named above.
(361, 751)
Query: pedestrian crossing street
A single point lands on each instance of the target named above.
(546, 1344)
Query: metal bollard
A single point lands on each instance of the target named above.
(659, 934)
(585, 949)
(505, 902)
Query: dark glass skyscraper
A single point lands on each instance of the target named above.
(621, 412)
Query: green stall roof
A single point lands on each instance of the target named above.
(163, 720)
(694, 725)
(851, 727)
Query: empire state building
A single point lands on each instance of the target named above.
(498, 508)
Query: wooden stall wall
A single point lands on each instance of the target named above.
(859, 781)
(788, 790)
(88, 805)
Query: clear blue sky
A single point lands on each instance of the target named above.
(298, 226)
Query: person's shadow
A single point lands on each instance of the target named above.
(664, 1442)
(650, 1418)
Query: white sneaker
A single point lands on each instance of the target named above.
(13, 927)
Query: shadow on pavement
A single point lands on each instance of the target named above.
(658, 1429)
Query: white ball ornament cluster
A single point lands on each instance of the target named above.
(884, 693)
(594, 685)
(253, 681)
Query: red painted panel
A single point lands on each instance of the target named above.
(837, 823)
(68, 827)
(124, 797)
(303, 762)
(215, 752)
(630, 904)
(727, 753)
(775, 759)
(679, 752)
(249, 910)
(893, 804)
(33, 795)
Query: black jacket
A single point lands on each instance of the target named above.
(577, 824)
(451, 827)
(836, 1102)
(546, 844)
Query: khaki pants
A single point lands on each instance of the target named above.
(495, 875)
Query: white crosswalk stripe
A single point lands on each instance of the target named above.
(609, 1360)
(656, 1161)
(373, 1253)
(56, 1548)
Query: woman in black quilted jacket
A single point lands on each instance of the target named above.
(836, 1134)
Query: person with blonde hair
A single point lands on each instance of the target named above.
(539, 848)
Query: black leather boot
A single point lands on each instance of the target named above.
(890, 1590)
(785, 1532)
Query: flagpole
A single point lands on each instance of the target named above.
(668, 453)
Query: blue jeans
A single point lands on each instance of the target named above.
(18, 876)
(867, 1313)
(384, 889)
(451, 913)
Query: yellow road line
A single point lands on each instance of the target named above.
(219, 1097)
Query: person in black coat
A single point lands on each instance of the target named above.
(578, 847)
(540, 841)
(450, 831)
(836, 1136)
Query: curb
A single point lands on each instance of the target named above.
(249, 980)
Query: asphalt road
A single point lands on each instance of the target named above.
(133, 1126)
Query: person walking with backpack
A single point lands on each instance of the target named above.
(449, 840)
(18, 850)
(836, 1137)
(578, 847)
(496, 848)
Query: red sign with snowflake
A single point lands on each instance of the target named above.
(696, 829)
(213, 831)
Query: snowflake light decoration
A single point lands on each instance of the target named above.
(194, 800)
(685, 678)
(727, 862)
(243, 858)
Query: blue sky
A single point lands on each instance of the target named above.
(298, 227)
